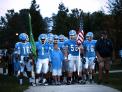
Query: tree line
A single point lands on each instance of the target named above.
(14, 23)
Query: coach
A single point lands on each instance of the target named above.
(104, 50)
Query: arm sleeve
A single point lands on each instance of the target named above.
(17, 48)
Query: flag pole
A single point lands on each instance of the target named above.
(31, 38)
(79, 29)
(33, 46)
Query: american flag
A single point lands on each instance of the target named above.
(80, 35)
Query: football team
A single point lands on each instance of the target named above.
(60, 60)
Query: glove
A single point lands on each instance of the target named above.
(95, 60)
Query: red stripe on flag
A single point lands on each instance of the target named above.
(80, 37)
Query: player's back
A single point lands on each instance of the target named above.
(25, 48)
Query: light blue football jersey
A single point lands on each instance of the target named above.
(72, 47)
(24, 49)
(43, 50)
(17, 46)
(89, 48)
(61, 45)
(50, 46)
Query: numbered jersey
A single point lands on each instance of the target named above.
(89, 47)
(72, 47)
(61, 45)
(50, 46)
(43, 50)
(24, 49)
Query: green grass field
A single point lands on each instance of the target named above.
(116, 65)
(115, 78)
(10, 84)
(115, 81)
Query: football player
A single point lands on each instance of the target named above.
(23, 49)
(89, 53)
(61, 42)
(65, 64)
(50, 42)
(55, 39)
(42, 64)
(74, 62)
(50, 38)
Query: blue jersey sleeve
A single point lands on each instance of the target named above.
(17, 47)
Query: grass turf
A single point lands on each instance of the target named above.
(115, 80)
(10, 84)
(116, 65)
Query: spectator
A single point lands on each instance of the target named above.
(104, 50)
(56, 61)
(90, 55)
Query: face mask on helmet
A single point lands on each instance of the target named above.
(55, 39)
(89, 36)
(72, 34)
(50, 40)
(42, 38)
(43, 41)
(61, 38)
(72, 37)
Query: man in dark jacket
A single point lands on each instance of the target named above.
(104, 51)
